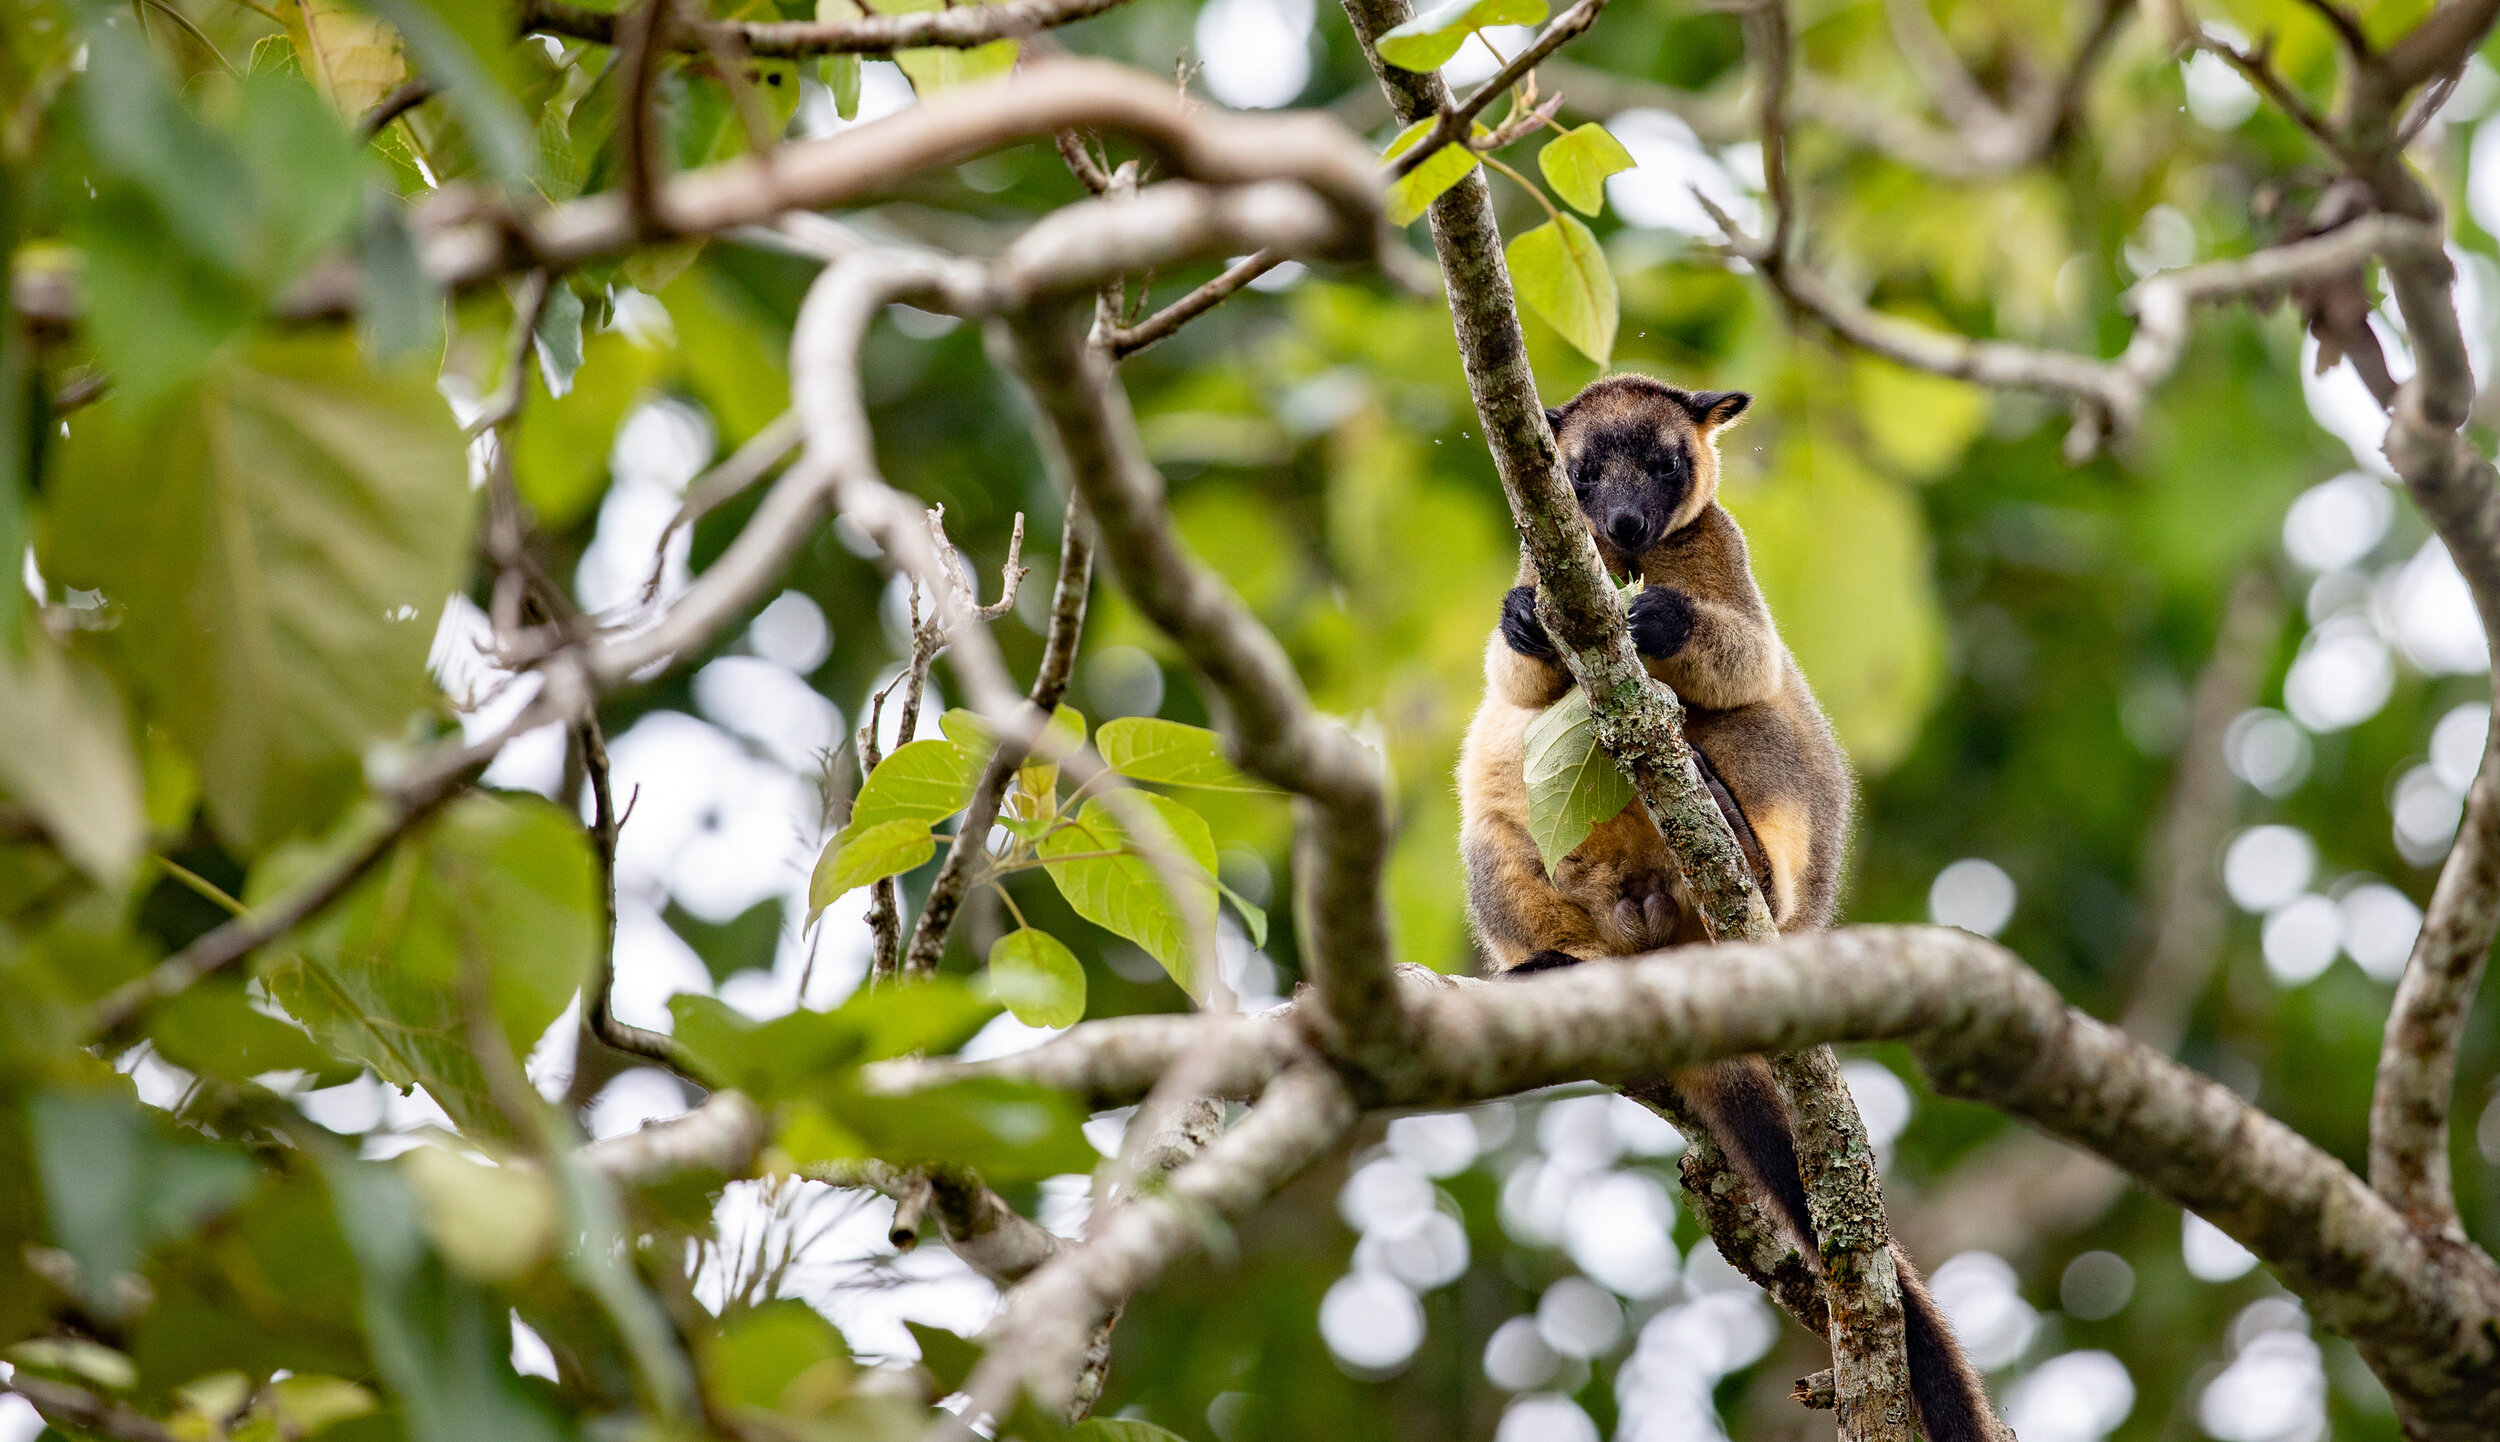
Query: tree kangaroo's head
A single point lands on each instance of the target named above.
(1640, 457)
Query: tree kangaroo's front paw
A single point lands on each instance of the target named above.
(1645, 915)
(1662, 621)
(1520, 627)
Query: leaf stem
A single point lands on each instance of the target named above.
(1525, 184)
(201, 884)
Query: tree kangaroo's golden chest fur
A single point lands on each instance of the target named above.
(1641, 460)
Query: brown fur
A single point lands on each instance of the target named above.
(1748, 711)
(1642, 460)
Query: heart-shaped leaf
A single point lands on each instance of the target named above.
(1576, 164)
(1038, 978)
(1560, 271)
(1412, 192)
(924, 781)
(862, 854)
(1429, 40)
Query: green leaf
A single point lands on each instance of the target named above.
(1427, 41)
(745, 942)
(923, 781)
(556, 340)
(503, 882)
(442, 1343)
(1253, 916)
(118, 1179)
(1561, 273)
(1039, 979)
(859, 855)
(947, 1358)
(65, 752)
(1143, 748)
(213, 1029)
(1007, 1131)
(1120, 1429)
(462, 45)
(972, 731)
(842, 78)
(492, 1223)
(276, 544)
(939, 67)
(766, 1357)
(796, 1055)
(1412, 193)
(1123, 893)
(1573, 786)
(1577, 163)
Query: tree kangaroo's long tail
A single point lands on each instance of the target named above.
(1746, 1113)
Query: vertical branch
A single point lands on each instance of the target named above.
(642, 44)
(1640, 724)
(598, 999)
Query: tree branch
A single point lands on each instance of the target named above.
(1038, 1346)
(1126, 341)
(956, 27)
(1050, 683)
(80, 1410)
(1451, 122)
(1344, 834)
(1639, 722)
(463, 241)
(598, 1001)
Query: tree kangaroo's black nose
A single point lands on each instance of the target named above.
(1628, 531)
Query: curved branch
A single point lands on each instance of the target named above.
(1343, 840)
(464, 240)
(956, 27)
(1038, 1347)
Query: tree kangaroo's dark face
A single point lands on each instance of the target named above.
(1639, 456)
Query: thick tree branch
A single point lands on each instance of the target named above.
(463, 240)
(722, 1135)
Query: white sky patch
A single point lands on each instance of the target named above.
(1670, 163)
(1255, 54)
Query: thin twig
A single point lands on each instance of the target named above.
(1050, 683)
(598, 992)
(1126, 341)
(403, 97)
(1452, 121)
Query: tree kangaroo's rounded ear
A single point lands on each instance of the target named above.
(1713, 409)
(1553, 417)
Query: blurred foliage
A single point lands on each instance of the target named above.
(240, 553)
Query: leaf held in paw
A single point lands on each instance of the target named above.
(1573, 786)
